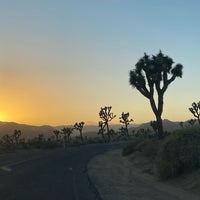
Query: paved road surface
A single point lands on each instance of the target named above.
(49, 175)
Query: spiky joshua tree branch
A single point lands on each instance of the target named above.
(195, 110)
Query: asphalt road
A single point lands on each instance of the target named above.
(59, 174)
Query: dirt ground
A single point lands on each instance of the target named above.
(130, 178)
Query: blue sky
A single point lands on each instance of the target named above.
(60, 61)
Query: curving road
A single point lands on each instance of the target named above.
(53, 175)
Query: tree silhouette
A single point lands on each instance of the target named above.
(124, 119)
(79, 127)
(195, 110)
(56, 132)
(102, 130)
(66, 131)
(106, 116)
(16, 135)
(7, 141)
(152, 74)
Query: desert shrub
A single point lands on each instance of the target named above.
(168, 162)
(119, 137)
(7, 142)
(91, 140)
(42, 143)
(76, 141)
(148, 146)
(179, 151)
(131, 146)
(49, 144)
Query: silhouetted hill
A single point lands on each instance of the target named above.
(168, 125)
(30, 131)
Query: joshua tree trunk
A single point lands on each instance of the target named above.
(158, 112)
(81, 135)
(127, 133)
(108, 132)
(160, 127)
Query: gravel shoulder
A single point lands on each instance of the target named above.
(126, 178)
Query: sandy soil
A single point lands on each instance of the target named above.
(131, 178)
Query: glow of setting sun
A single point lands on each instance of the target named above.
(2, 117)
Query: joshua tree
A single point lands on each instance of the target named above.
(7, 140)
(102, 130)
(67, 134)
(16, 135)
(56, 132)
(195, 110)
(124, 119)
(152, 74)
(79, 127)
(106, 116)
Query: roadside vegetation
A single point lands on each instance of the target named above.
(177, 153)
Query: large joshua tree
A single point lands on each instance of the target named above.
(155, 73)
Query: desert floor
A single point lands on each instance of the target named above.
(130, 178)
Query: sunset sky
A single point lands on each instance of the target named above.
(61, 60)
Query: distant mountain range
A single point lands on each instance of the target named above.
(167, 126)
(30, 131)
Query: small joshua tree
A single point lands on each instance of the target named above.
(195, 110)
(66, 131)
(106, 116)
(7, 141)
(124, 119)
(79, 127)
(102, 130)
(16, 135)
(56, 132)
